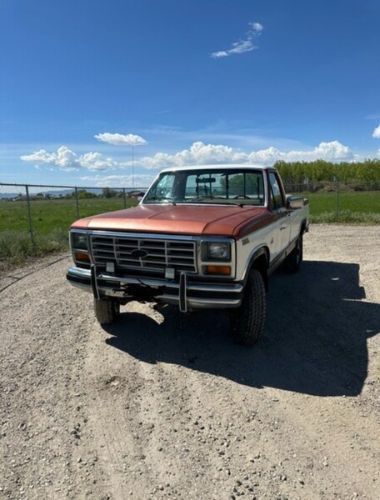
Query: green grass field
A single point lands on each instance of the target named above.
(52, 218)
(50, 215)
(355, 202)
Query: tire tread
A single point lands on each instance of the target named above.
(249, 320)
(106, 311)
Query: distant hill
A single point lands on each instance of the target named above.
(5, 196)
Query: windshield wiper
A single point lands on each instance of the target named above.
(162, 200)
(213, 202)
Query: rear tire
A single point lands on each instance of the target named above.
(249, 319)
(106, 311)
(294, 259)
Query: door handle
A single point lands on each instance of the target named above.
(283, 227)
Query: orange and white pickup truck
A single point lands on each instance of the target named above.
(201, 238)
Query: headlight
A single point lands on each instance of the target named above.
(79, 241)
(217, 251)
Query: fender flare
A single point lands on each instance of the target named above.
(258, 253)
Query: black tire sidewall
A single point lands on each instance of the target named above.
(248, 320)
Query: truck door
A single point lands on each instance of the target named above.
(278, 203)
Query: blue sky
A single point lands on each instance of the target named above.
(195, 81)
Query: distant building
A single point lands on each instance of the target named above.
(135, 194)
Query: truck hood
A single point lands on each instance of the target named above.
(221, 220)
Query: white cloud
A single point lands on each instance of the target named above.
(256, 27)
(329, 151)
(65, 159)
(121, 139)
(200, 153)
(96, 161)
(244, 45)
(376, 132)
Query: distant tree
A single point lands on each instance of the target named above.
(320, 170)
(84, 194)
(109, 193)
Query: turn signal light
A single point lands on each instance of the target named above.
(81, 256)
(224, 270)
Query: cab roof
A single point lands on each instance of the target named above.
(217, 167)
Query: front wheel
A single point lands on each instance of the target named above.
(106, 311)
(249, 319)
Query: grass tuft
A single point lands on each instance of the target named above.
(16, 246)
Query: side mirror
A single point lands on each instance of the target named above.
(294, 202)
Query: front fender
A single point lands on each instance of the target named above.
(258, 255)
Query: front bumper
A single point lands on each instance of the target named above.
(188, 294)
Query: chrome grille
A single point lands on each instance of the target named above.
(148, 254)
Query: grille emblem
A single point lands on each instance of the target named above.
(139, 254)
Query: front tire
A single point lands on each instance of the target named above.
(249, 319)
(106, 311)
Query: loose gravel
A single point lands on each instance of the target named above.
(164, 405)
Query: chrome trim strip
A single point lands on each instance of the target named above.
(137, 234)
(79, 272)
(231, 288)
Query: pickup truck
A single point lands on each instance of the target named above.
(201, 238)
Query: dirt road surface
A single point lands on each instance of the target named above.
(163, 405)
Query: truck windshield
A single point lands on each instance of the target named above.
(222, 186)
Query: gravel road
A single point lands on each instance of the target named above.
(164, 405)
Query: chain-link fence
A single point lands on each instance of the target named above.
(337, 201)
(34, 219)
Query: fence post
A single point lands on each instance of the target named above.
(29, 215)
(77, 201)
(125, 198)
(337, 197)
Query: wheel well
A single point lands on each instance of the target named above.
(260, 261)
